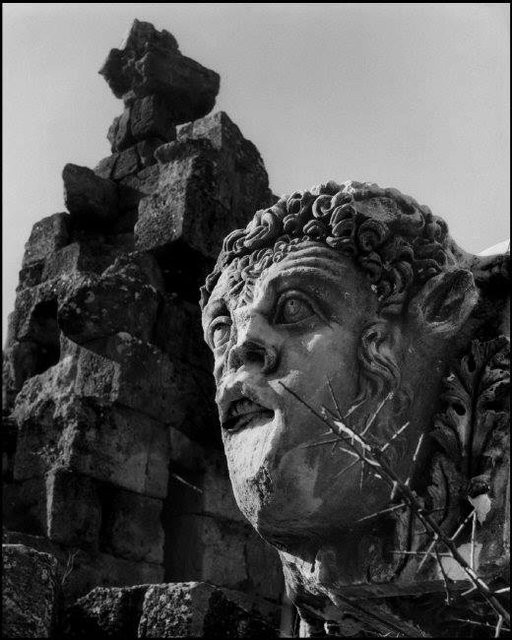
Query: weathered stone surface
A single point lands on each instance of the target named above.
(119, 134)
(124, 371)
(131, 160)
(134, 374)
(90, 200)
(105, 168)
(87, 257)
(30, 276)
(63, 419)
(8, 439)
(29, 592)
(142, 183)
(145, 119)
(131, 189)
(21, 361)
(222, 552)
(151, 63)
(146, 150)
(24, 505)
(112, 444)
(151, 118)
(47, 235)
(198, 480)
(183, 206)
(210, 179)
(73, 508)
(120, 300)
(203, 610)
(175, 313)
(34, 318)
(132, 527)
(80, 571)
(241, 178)
(106, 613)
(127, 163)
(36, 413)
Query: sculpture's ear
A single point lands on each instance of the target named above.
(444, 303)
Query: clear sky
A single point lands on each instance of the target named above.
(410, 95)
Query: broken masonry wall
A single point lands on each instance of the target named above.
(112, 455)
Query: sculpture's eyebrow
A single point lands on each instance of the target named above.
(320, 274)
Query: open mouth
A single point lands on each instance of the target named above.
(243, 412)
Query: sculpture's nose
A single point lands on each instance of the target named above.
(256, 346)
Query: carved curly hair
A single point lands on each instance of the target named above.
(397, 243)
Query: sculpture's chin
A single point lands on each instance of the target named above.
(289, 490)
(293, 493)
(281, 491)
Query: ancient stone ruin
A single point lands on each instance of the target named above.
(359, 396)
(119, 517)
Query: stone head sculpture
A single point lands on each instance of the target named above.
(351, 305)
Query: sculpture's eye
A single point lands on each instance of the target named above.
(220, 330)
(292, 307)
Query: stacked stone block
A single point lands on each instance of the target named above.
(112, 459)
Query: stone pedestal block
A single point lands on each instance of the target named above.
(47, 235)
(29, 592)
(203, 610)
(90, 200)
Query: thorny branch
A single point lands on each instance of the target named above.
(376, 459)
(70, 565)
